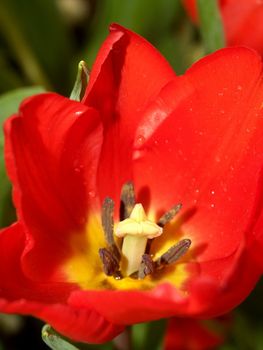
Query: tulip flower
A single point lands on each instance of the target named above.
(142, 201)
(242, 21)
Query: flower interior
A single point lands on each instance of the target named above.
(131, 254)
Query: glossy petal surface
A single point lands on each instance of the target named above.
(205, 154)
(45, 300)
(127, 75)
(206, 150)
(49, 144)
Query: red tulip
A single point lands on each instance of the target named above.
(194, 139)
(191, 334)
(242, 21)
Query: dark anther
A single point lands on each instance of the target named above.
(174, 253)
(111, 255)
(169, 215)
(110, 258)
(127, 200)
(107, 220)
(146, 267)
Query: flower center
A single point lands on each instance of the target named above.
(136, 231)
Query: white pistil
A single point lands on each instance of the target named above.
(135, 230)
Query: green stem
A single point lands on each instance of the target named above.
(211, 25)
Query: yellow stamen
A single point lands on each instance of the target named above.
(136, 230)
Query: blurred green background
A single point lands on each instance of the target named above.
(41, 43)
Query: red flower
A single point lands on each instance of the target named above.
(191, 334)
(242, 20)
(195, 140)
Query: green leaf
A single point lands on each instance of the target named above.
(9, 103)
(149, 335)
(81, 82)
(211, 25)
(54, 340)
(38, 40)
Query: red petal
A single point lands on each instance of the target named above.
(237, 286)
(76, 324)
(47, 301)
(123, 73)
(52, 149)
(128, 307)
(190, 334)
(127, 75)
(243, 21)
(204, 296)
(14, 285)
(206, 153)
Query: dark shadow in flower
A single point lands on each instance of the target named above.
(144, 197)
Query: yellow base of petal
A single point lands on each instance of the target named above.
(85, 268)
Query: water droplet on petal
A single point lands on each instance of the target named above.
(138, 154)
(180, 152)
(139, 141)
(92, 194)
